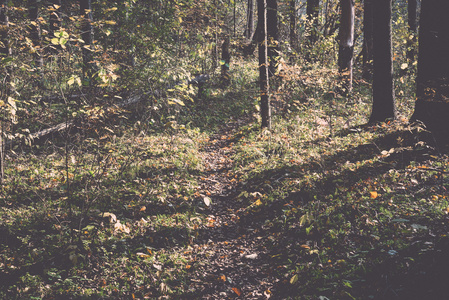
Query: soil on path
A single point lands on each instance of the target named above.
(231, 260)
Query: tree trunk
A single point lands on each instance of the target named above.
(432, 91)
(273, 39)
(249, 30)
(5, 50)
(312, 11)
(383, 90)
(87, 32)
(346, 47)
(265, 109)
(225, 62)
(367, 51)
(35, 35)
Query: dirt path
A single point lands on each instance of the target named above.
(229, 251)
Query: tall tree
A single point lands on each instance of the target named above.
(225, 62)
(272, 33)
(312, 11)
(35, 35)
(265, 108)
(383, 90)
(249, 29)
(432, 91)
(87, 32)
(346, 47)
(367, 51)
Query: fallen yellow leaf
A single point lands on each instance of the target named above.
(373, 195)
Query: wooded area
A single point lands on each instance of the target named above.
(224, 149)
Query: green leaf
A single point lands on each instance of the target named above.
(89, 228)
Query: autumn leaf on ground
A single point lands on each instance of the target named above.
(373, 195)
(237, 291)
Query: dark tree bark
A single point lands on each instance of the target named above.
(35, 35)
(346, 47)
(367, 51)
(273, 39)
(432, 91)
(383, 89)
(249, 29)
(225, 62)
(312, 11)
(265, 108)
(87, 32)
(412, 27)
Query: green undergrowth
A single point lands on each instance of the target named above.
(344, 209)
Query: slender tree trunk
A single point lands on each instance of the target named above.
(226, 61)
(432, 91)
(5, 49)
(215, 46)
(346, 47)
(312, 11)
(265, 109)
(35, 35)
(383, 89)
(367, 51)
(235, 17)
(87, 32)
(273, 39)
(249, 30)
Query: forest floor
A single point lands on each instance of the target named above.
(320, 207)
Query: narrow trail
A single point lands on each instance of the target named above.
(229, 253)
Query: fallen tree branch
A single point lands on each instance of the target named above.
(63, 126)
